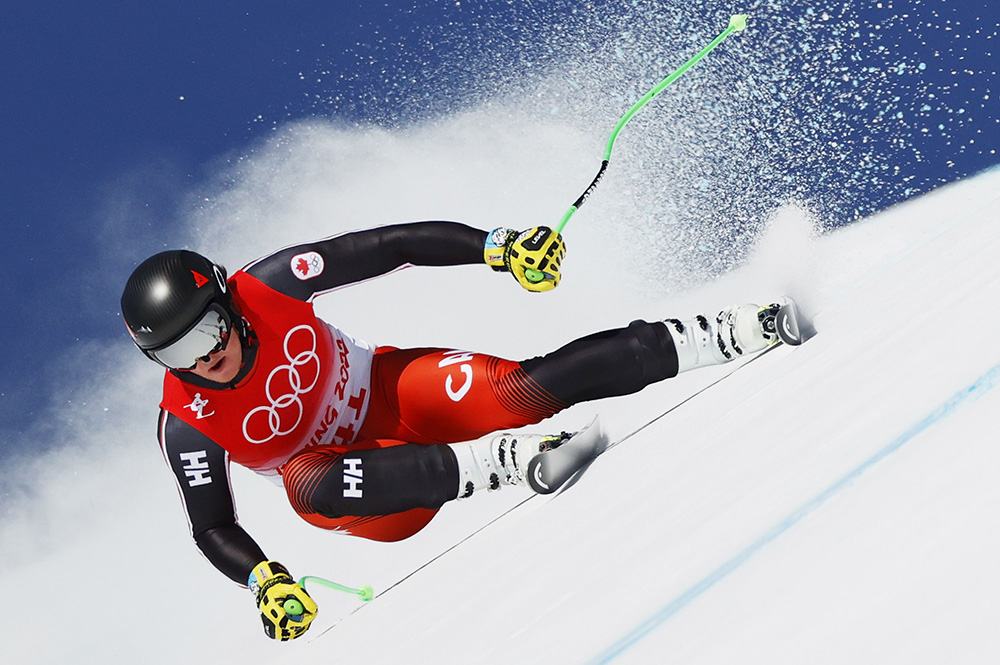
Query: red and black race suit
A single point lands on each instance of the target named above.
(350, 429)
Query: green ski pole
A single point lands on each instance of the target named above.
(364, 593)
(737, 23)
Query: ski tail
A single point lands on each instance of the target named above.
(792, 326)
(549, 470)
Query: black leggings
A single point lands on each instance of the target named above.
(607, 364)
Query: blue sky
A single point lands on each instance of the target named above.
(126, 111)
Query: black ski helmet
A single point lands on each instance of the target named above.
(168, 294)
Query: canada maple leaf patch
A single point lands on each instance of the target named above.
(308, 265)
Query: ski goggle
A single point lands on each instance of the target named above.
(210, 334)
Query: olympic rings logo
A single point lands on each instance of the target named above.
(276, 410)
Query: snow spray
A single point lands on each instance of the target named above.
(737, 23)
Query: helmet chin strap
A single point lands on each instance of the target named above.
(248, 338)
(249, 344)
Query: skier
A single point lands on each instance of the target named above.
(369, 441)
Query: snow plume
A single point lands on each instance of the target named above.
(499, 114)
(825, 104)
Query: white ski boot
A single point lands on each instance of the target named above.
(499, 460)
(737, 331)
(541, 462)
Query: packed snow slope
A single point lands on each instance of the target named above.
(830, 503)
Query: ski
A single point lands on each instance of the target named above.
(549, 470)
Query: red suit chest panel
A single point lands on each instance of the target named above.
(308, 385)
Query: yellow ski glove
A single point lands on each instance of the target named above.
(532, 256)
(285, 607)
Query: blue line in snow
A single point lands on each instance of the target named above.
(977, 389)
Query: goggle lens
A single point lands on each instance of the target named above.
(210, 334)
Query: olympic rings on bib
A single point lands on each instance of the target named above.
(278, 422)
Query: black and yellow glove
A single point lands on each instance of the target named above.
(285, 607)
(531, 256)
